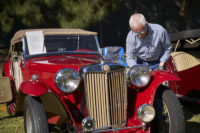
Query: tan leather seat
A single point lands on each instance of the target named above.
(17, 73)
(184, 61)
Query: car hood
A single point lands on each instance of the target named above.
(54, 63)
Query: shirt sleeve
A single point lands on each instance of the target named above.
(167, 47)
(130, 52)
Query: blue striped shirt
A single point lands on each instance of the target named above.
(155, 46)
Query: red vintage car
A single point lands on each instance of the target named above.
(184, 62)
(59, 80)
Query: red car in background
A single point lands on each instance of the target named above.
(60, 82)
(185, 63)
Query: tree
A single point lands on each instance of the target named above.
(184, 14)
(21, 14)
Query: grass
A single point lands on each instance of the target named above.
(10, 124)
(192, 117)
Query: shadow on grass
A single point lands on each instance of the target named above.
(190, 109)
(192, 127)
(6, 117)
(192, 117)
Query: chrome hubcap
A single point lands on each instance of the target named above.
(165, 119)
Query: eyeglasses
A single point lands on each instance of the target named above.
(141, 33)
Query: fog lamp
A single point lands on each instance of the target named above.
(146, 113)
(88, 124)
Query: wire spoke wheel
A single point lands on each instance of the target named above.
(165, 120)
(169, 114)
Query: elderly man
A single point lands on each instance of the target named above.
(147, 43)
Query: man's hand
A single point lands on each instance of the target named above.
(161, 66)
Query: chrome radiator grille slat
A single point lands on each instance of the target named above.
(106, 97)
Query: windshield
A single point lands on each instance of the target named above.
(69, 43)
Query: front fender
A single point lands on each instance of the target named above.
(34, 88)
(146, 95)
(162, 76)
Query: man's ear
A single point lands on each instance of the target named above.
(131, 28)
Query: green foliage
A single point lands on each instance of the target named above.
(18, 14)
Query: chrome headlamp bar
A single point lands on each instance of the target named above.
(100, 67)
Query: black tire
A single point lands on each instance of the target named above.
(34, 116)
(184, 35)
(169, 114)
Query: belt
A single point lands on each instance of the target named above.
(140, 61)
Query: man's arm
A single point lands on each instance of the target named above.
(167, 48)
(130, 52)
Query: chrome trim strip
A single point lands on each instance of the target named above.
(98, 46)
(99, 130)
(126, 95)
(24, 51)
(100, 67)
(64, 52)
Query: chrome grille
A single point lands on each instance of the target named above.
(106, 97)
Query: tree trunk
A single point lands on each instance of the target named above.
(184, 14)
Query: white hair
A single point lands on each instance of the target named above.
(135, 23)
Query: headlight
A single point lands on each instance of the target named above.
(67, 80)
(146, 113)
(139, 76)
(88, 124)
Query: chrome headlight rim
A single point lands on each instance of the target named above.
(135, 78)
(141, 113)
(88, 124)
(67, 90)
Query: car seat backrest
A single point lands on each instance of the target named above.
(18, 73)
(184, 61)
(114, 54)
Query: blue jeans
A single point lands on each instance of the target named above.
(153, 65)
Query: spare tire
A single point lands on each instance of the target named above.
(187, 34)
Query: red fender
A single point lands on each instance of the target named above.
(34, 88)
(147, 95)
